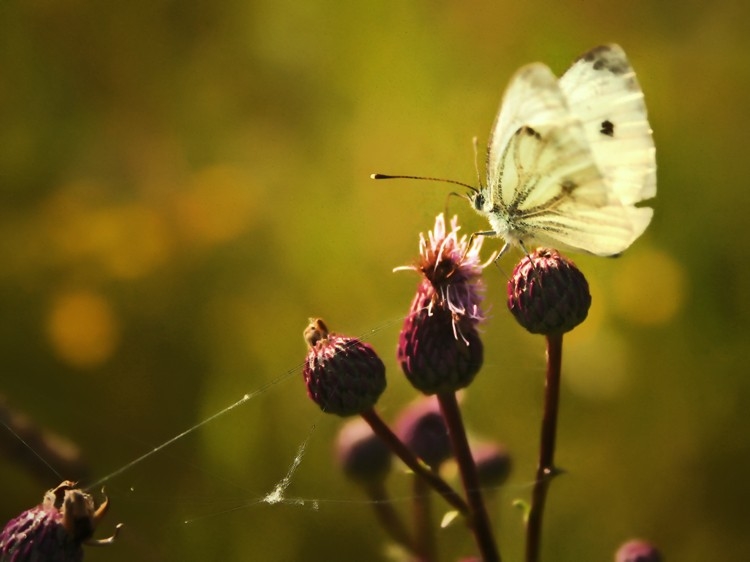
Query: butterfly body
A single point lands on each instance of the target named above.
(569, 159)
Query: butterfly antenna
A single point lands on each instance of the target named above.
(475, 143)
(454, 182)
(454, 194)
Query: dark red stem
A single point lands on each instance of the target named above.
(546, 467)
(410, 460)
(388, 517)
(425, 537)
(480, 520)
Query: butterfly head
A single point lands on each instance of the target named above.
(477, 200)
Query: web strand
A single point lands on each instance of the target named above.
(246, 398)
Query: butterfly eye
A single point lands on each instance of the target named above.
(477, 199)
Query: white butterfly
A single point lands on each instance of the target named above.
(568, 159)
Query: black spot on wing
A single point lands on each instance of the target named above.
(606, 58)
(526, 130)
(568, 186)
(608, 128)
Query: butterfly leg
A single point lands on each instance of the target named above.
(490, 233)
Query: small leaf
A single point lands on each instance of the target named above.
(524, 507)
(449, 518)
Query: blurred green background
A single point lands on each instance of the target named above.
(184, 183)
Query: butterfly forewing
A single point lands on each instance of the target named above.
(532, 98)
(547, 165)
(602, 91)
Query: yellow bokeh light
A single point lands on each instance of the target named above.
(649, 288)
(127, 240)
(132, 240)
(218, 206)
(82, 329)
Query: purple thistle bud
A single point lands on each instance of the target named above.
(638, 551)
(547, 293)
(362, 455)
(55, 530)
(493, 464)
(343, 375)
(438, 351)
(422, 428)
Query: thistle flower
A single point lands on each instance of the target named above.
(343, 375)
(55, 530)
(439, 347)
(422, 427)
(638, 551)
(366, 459)
(452, 269)
(362, 455)
(547, 293)
(493, 464)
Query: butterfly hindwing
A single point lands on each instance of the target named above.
(602, 231)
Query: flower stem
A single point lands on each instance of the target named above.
(546, 467)
(388, 518)
(425, 537)
(480, 521)
(404, 453)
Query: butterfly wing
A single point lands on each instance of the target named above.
(568, 158)
(560, 196)
(532, 98)
(602, 231)
(601, 90)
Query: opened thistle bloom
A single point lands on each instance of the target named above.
(452, 269)
(439, 347)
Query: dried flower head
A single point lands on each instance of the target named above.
(547, 293)
(638, 551)
(54, 530)
(343, 375)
